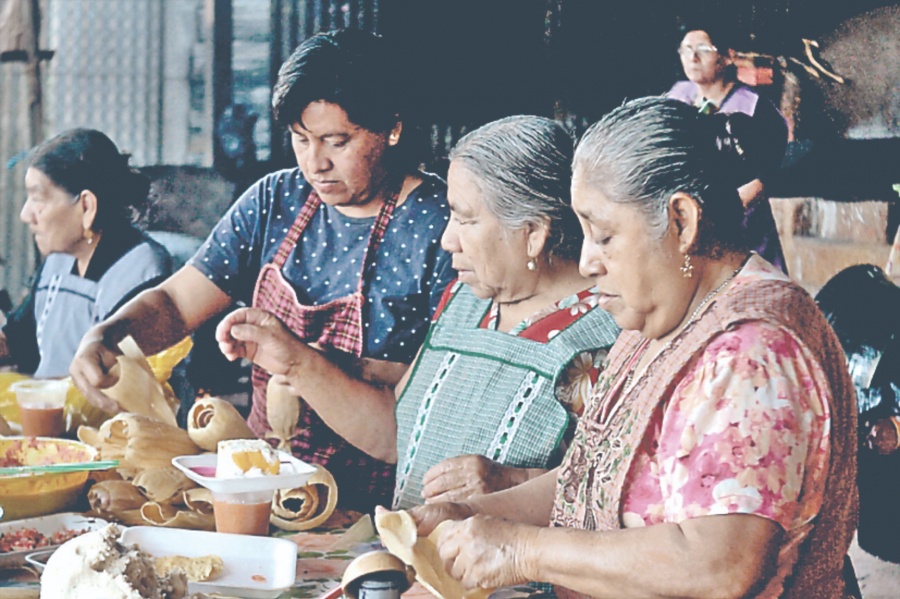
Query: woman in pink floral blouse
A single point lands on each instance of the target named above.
(717, 454)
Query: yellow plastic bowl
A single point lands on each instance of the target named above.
(26, 495)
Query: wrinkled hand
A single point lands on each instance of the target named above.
(461, 477)
(92, 368)
(487, 552)
(260, 337)
(427, 517)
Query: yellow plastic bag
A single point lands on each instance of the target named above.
(78, 411)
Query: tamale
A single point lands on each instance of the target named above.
(212, 419)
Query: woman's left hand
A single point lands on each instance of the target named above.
(260, 337)
(487, 552)
(461, 477)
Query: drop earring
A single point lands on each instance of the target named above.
(687, 269)
(89, 236)
(532, 264)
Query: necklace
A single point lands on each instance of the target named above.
(639, 355)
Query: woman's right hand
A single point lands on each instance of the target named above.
(259, 336)
(427, 517)
(92, 365)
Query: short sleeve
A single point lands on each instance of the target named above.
(746, 431)
(230, 256)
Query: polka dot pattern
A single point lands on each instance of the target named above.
(405, 284)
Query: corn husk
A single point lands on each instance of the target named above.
(4, 427)
(212, 420)
(198, 499)
(305, 507)
(165, 484)
(400, 536)
(138, 442)
(170, 516)
(137, 390)
(115, 496)
(282, 411)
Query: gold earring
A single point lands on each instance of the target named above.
(89, 236)
(687, 269)
(531, 264)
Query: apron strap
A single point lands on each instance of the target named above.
(300, 223)
(375, 236)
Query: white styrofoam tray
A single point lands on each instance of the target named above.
(255, 567)
(201, 469)
(46, 525)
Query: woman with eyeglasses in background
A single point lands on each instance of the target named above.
(82, 196)
(707, 55)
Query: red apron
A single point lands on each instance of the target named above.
(363, 481)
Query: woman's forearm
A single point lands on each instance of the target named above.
(361, 411)
(714, 556)
(529, 503)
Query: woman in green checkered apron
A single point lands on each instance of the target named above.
(514, 348)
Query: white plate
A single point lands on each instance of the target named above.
(201, 469)
(255, 567)
(46, 525)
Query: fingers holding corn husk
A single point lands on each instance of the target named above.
(165, 484)
(212, 419)
(305, 507)
(282, 411)
(137, 389)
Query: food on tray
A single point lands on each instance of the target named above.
(212, 420)
(28, 539)
(306, 507)
(237, 458)
(96, 565)
(400, 536)
(197, 569)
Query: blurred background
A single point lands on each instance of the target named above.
(184, 86)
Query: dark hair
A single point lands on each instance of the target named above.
(86, 159)
(354, 69)
(724, 36)
(522, 164)
(648, 149)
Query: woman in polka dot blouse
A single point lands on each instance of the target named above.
(344, 249)
(515, 347)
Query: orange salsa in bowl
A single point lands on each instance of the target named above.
(26, 495)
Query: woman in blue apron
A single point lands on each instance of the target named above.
(81, 192)
(345, 249)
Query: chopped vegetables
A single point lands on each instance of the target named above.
(29, 539)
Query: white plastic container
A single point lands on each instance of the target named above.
(254, 567)
(202, 470)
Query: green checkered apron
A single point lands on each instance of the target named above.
(479, 391)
